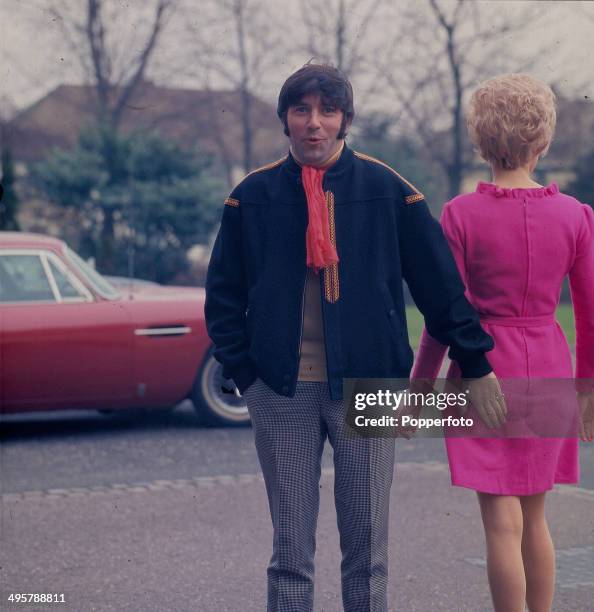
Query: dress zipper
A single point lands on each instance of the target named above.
(525, 297)
(523, 312)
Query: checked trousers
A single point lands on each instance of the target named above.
(290, 434)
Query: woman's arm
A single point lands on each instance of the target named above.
(581, 283)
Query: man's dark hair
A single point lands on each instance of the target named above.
(332, 85)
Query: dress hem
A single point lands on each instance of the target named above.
(515, 492)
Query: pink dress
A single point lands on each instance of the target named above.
(513, 248)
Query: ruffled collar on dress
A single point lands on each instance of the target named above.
(517, 192)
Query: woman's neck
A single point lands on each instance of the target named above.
(517, 178)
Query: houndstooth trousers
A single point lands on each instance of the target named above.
(290, 435)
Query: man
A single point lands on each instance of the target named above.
(304, 288)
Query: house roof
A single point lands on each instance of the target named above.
(208, 120)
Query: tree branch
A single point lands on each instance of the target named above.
(158, 23)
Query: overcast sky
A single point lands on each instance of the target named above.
(34, 57)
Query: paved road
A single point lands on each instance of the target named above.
(153, 513)
(79, 449)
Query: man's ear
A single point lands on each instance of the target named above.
(345, 128)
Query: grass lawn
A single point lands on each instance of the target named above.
(415, 324)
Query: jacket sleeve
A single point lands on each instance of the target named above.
(431, 352)
(226, 299)
(430, 270)
(581, 283)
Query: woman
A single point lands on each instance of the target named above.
(514, 242)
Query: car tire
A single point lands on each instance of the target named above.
(152, 410)
(213, 405)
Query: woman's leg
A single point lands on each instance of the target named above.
(503, 522)
(538, 554)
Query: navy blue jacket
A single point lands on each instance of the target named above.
(383, 232)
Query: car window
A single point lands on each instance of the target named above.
(65, 285)
(23, 279)
(105, 288)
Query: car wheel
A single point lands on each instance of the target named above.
(212, 403)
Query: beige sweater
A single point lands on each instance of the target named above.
(312, 366)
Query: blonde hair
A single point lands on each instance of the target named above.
(511, 119)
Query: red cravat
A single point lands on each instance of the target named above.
(320, 250)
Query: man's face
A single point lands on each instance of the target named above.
(313, 128)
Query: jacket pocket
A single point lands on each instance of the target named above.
(396, 319)
(249, 321)
(251, 312)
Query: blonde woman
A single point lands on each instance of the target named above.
(514, 242)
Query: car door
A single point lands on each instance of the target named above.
(62, 346)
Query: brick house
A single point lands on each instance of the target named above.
(206, 120)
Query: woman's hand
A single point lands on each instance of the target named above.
(487, 398)
(586, 416)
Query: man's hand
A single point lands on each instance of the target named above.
(487, 398)
(228, 386)
(417, 385)
(586, 416)
(407, 431)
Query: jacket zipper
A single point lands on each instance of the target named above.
(302, 317)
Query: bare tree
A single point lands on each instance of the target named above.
(234, 43)
(9, 200)
(463, 42)
(575, 78)
(338, 31)
(245, 43)
(112, 63)
(351, 35)
(238, 10)
(113, 47)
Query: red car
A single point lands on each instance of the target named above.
(70, 339)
